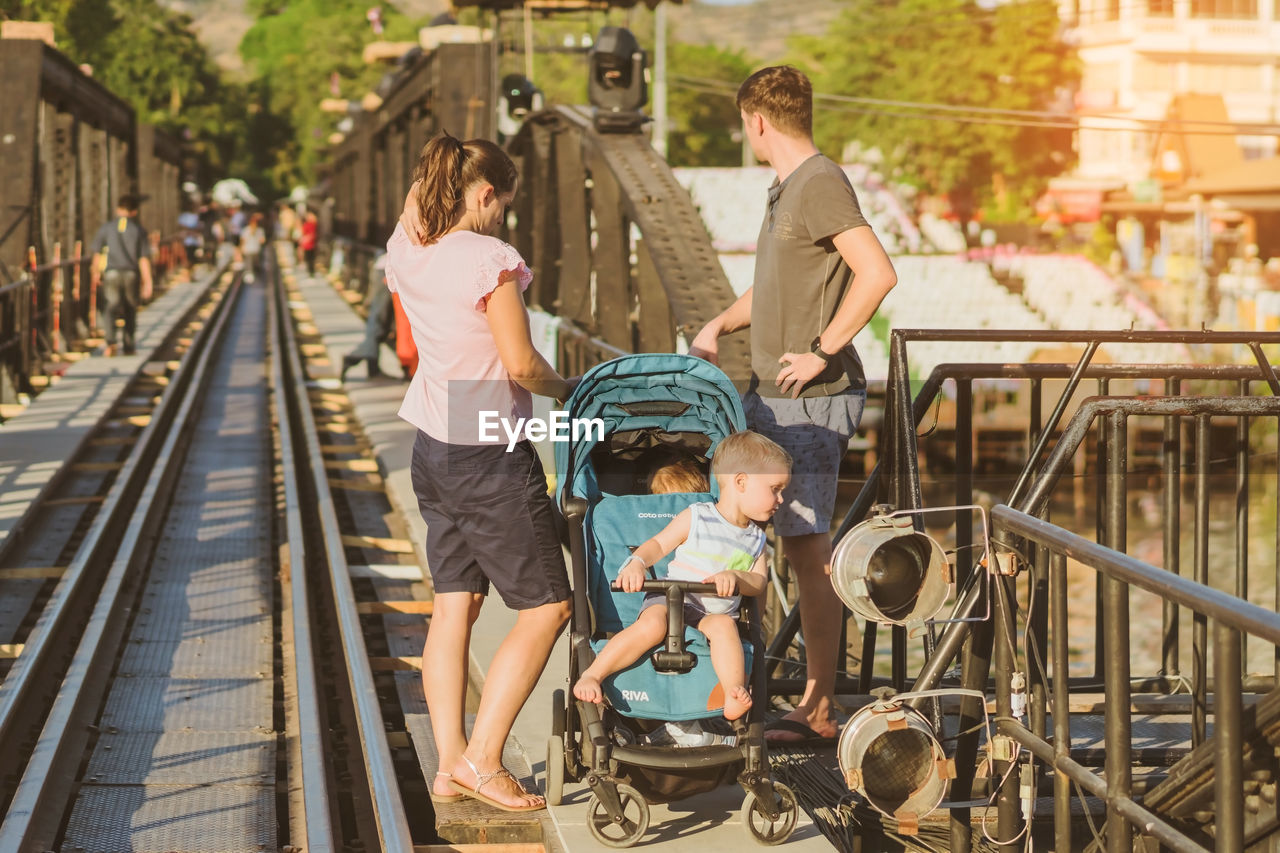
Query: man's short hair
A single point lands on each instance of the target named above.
(747, 452)
(128, 202)
(783, 95)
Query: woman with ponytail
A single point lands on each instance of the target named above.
(483, 495)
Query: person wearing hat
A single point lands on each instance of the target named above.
(121, 261)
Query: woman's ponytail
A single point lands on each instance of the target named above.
(447, 168)
(440, 184)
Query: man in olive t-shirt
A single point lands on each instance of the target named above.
(820, 276)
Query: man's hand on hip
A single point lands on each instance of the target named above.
(797, 370)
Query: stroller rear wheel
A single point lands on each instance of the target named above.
(624, 832)
(555, 770)
(764, 829)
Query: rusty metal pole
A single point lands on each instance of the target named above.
(1228, 753)
(1058, 596)
(55, 300)
(1115, 614)
(1200, 622)
(1172, 459)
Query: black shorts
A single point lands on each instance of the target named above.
(489, 520)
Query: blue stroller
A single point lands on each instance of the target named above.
(649, 404)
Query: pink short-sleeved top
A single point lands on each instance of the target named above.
(443, 290)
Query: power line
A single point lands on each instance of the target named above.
(1000, 117)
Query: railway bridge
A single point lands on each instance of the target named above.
(213, 594)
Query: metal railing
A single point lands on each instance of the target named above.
(52, 309)
(1232, 619)
(1101, 424)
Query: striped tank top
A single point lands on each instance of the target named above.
(714, 545)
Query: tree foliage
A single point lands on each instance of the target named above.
(292, 53)
(953, 52)
(150, 57)
(706, 130)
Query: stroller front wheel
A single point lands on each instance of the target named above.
(555, 770)
(624, 832)
(764, 829)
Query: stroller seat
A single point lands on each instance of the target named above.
(618, 524)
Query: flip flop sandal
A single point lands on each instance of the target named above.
(445, 798)
(483, 779)
(805, 736)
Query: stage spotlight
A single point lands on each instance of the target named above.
(889, 755)
(517, 99)
(886, 571)
(617, 87)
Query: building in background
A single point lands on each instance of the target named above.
(1139, 55)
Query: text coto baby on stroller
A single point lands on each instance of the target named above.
(661, 707)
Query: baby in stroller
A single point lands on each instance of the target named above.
(718, 543)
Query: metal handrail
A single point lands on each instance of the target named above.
(1232, 618)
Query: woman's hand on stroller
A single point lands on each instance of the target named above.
(570, 382)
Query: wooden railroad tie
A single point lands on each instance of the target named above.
(32, 573)
(394, 546)
(423, 608)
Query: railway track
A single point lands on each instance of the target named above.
(216, 619)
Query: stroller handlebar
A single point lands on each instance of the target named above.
(665, 584)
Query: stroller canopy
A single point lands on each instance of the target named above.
(647, 397)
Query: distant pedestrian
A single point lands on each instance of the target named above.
(189, 222)
(308, 239)
(252, 237)
(122, 262)
(820, 275)
(378, 325)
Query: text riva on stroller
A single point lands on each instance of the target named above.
(558, 427)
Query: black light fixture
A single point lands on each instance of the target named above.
(617, 86)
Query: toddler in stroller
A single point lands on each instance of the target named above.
(648, 406)
(716, 543)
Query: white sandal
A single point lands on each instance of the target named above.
(483, 779)
(444, 798)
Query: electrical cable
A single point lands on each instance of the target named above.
(1001, 117)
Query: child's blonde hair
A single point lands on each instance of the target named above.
(677, 475)
(747, 452)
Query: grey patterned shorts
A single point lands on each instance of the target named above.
(816, 432)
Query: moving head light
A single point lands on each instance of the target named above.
(617, 86)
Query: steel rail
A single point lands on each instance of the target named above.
(33, 817)
(317, 820)
(684, 261)
(1094, 407)
(93, 551)
(1220, 606)
(1087, 335)
(388, 804)
(1089, 781)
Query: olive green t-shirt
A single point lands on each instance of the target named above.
(800, 278)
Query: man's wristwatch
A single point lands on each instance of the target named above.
(816, 349)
